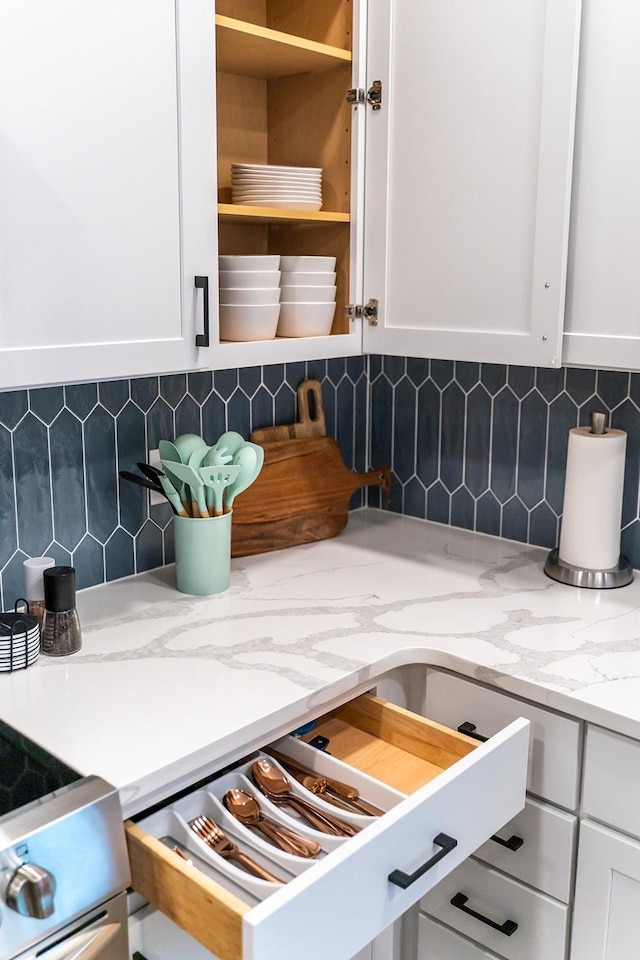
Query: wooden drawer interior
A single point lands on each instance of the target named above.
(391, 744)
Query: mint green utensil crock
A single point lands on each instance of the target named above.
(203, 554)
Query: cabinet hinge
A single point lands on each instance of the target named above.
(373, 95)
(368, 312)
(355, 95)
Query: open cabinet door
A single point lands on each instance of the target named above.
(468, 177)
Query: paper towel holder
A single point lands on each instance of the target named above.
(618, 576)
(563, 572)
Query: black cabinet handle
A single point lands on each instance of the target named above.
(470, 730)
(508, 927)
(202, 339)
(513, 843)
(404, 880)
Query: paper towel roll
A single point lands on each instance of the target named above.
(592, 508)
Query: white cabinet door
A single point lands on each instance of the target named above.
(105, 106)
(468, 177)
(606, 921)
(603, 287)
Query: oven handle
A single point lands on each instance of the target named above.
(84, 946)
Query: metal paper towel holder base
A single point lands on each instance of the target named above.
(619, 576)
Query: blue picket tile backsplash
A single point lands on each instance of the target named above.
(480, 446)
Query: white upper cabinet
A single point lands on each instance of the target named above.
(603, 289)
(468, 172)
(101, 121)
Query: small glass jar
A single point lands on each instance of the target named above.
(61, 633)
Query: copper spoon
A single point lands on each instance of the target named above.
(210, 832)
(246, 809)
(276, 787)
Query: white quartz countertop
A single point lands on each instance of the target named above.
(168, 686)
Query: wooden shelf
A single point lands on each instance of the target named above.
(237, 213)
(253, 51)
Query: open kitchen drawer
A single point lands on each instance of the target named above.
(459, 792)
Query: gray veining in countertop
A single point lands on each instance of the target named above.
(166, 683)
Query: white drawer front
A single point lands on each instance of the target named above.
(545, 858)
(436, 942)
(351, 886)
(555, 740)
(612, 759)
(542, 922)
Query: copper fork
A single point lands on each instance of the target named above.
(209, 831)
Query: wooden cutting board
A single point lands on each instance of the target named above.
(310, 421)
(302, 494)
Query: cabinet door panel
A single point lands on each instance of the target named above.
(468, 170)
(603, 287)
(606, 923)
(90, 205)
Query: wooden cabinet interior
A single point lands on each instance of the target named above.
(391, 744)
(283, 72)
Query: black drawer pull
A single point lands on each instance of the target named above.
(513, 843)
(470, 730)
(202, 339)
(404, 880)
(508, 927)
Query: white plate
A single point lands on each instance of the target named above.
(269, 198)
(266, 167)
(267, 188)
(281, 204)
(274, 178)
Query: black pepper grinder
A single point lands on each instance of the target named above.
(61, 634)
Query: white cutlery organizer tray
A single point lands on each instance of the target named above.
(172, 823)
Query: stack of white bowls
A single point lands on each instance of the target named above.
(249, 297)
(265, 185)
(308, 296)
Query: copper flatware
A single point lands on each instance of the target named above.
(209, 831)
(246, 810)
(331, 790)
(275, 786)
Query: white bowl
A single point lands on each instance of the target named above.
(228, 261)
(305, 319)
(249, 322)
(249, 278)
(295, 278)
(250, 295)
(308, 294)
(308, 264)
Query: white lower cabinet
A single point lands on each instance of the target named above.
(436, 942)
(420, 773)
(523, 874)
(607, 903)
(607, 909)
(537, 847)
(500, 913)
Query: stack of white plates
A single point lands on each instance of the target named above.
(25, 644)
(265, 185)
(308, 296)
(249, 297)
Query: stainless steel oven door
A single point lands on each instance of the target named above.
(100, 935)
